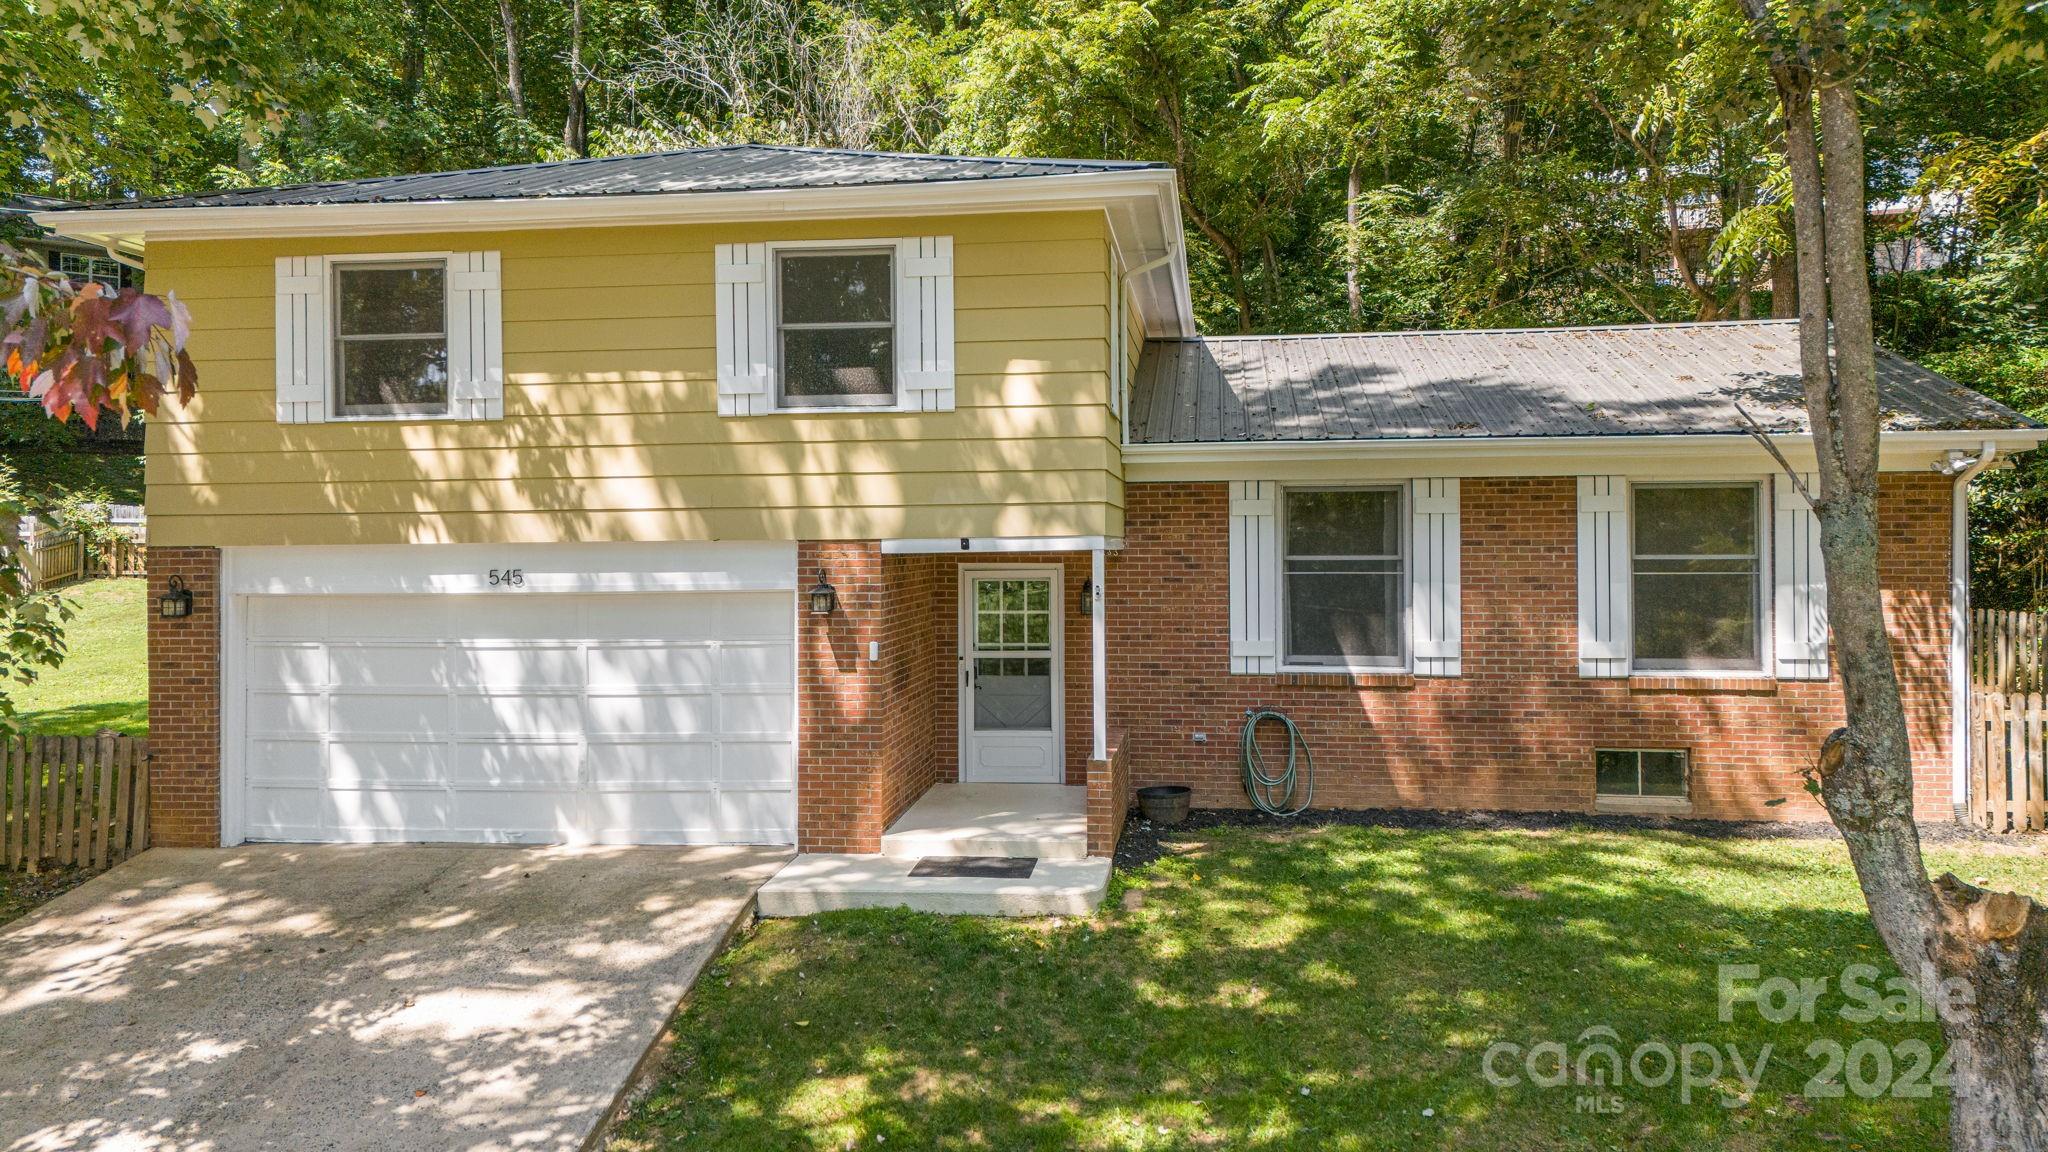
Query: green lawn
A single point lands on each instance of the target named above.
(104, 681)
(1332, 988)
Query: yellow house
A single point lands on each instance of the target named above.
(892, 507)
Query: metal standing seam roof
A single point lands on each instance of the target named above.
(727, 168)
(1650, 379)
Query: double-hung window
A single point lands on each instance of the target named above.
(1342, 578)
(81, 269)
(391, 338)
(835, 327)
(1698, 577)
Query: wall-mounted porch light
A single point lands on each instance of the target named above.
(175, 602)
(1088, 597)
(824, 598)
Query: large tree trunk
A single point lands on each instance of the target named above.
(515, 87)
(575, 125)
(1352, 192)
(1943, 936)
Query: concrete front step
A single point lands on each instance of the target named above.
(1046, 821)
(822, 882)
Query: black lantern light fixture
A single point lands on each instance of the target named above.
(1088, 597)
(824, 598)
(176, 602)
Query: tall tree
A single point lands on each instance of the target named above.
(1980, 957)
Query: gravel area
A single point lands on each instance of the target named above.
(1144, 841)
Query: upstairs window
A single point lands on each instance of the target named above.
(82, 269)
(1698, 596)
(391, 338)
(1342, 578)
(835, 328)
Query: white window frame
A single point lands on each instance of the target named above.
(776, 250)
(1764, 590)
(1403, 662)
(335, 264)
(98, 269)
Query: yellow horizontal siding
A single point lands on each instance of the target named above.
(611, 421)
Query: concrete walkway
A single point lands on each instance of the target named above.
(389, 997)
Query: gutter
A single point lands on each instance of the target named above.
(1963, 469)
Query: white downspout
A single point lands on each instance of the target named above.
(1099, 666)
(1964, 469)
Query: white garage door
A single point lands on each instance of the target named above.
(660, 718)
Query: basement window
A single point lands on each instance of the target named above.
(1656, 775)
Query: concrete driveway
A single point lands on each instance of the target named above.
(389, 997)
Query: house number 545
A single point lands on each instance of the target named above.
(507, 577)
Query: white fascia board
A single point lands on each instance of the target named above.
(1532, 455)
(970, 544)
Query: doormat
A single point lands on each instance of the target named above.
(989, 867)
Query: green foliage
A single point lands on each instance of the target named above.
(31, 620)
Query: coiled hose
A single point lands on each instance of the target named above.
(1274, 793)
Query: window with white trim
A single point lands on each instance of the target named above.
(391, 338)
(81, 269)
(1641, 773)
(1343, 582)
(835, 327)
(1697, 577)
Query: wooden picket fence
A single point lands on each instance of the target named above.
(56, 558)
(2008, 737)
(2008, 651)
(73, 801)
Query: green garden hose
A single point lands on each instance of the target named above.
(1273, 794)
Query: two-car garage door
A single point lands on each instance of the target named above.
(663, 717)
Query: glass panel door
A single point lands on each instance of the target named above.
(1012, 654)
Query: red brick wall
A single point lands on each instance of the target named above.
(184, 702)
(1518, 729)
(909, 663)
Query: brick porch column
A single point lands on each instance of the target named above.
(184, 702)
(840, 726)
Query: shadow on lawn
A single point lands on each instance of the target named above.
(128, 717)
(1372, 968)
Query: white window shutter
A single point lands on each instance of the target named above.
(1800, 608)
(741, 276)
(304, 360)
(1254, 577)
(1605, 562)
(476, 343)
(924, 322)
(1434, 625)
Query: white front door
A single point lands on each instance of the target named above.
(1010, 675)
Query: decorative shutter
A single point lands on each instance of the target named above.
(1254, 577)
(1800, 613)
(742, 288)
(476, 344)
(303, 356)
(924, 322)
(1604, 566)
(1434, 624)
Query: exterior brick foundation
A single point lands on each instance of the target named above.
(1518, 729)
(184, 702)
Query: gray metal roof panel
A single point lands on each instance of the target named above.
(1648, 379)
(727, 168)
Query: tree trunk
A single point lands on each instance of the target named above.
(1951, 935)
(1352, 191)
(1784, 288)
(575, 125)
(515, 88)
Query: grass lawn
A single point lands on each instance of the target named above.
(1321, 988)
(104, 681)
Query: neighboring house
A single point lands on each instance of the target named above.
(80, 260)
(510, 497)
